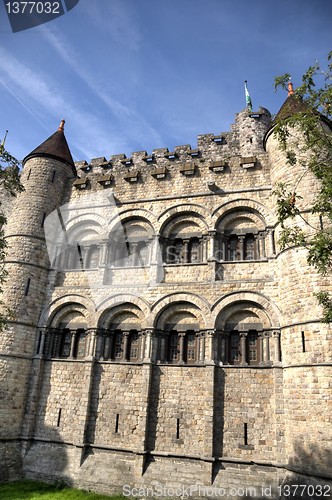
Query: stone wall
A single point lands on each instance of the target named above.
(100, 422)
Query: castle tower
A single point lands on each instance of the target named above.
(251, 127)
(305, 341)
(45, 173)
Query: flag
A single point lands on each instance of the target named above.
(248, 98)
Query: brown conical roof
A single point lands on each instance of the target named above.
(56, 147)
(293, 104)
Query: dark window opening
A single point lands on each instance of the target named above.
(27, 286)
(184, 251)
(174, 347)
(59, 418)
(182, 347)
(245, 434)
(118, 344)
(43, 220)
(234, 350)
(80, 341)
(65, 343)
(177, 428)
(134, 347)
(251, 346)
(303, 341)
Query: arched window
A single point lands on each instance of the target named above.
(82, 250)
(240, 236)
(129, 244)
(184, 241)
(121, 338)
(244, 335)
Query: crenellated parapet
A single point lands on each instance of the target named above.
(238, 153)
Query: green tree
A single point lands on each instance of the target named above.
(305, 135)
(9, 186)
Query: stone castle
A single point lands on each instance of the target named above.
(158, 335)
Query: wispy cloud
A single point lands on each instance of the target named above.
(117, 19)
(134, 124)
(42, 96)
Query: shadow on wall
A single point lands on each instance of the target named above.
(309, 477)
(45, 454)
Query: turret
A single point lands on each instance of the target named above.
(305, 341)
(252, 126)
(46, 172)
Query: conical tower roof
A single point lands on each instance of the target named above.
(56, 147)
(291, 106)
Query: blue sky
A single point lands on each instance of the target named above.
(131, 75)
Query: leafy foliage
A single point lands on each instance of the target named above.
(10, 184)
(306, 138)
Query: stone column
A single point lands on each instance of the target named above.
(267, 347)
(125, 353)
(276, 339)
(243, 337)
(210, 251)
(142, 337)
(261, 242)
(241, 247)
(148, 351)
(209, 343)
(271, 243)
(103, 253)
(201, 338)
(185, 251)
(181, 347)
(133, 257)
(224, 245)
(73, 344)
(92, 345)
(261, 347)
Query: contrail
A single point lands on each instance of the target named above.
(24, 105)
(30, 111)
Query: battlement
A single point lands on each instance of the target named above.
(242, 146)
